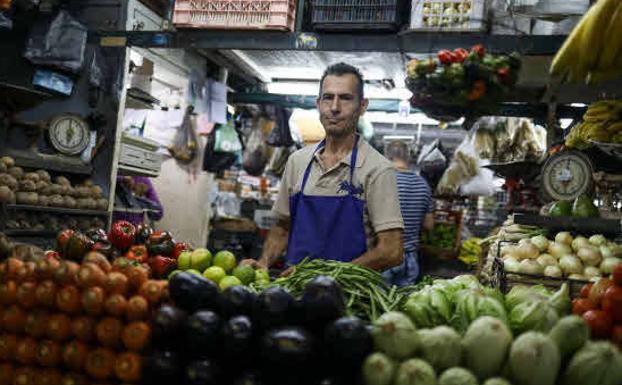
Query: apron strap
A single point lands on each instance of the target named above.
(352, 164)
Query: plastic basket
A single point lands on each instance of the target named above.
(235, 14)
(448, 15)
(356, 14)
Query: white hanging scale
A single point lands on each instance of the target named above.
(567, 175)
(69, 134)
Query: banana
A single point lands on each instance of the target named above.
(593, 40)
(613, 38)
(614, 128)
(570, 50)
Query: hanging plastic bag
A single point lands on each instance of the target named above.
(227, 139)
(278, 160)
(281, 135)
(464, 166)
(255, 155)
(217, 161)
(185, 145)
(61, 45)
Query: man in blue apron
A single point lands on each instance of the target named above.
(338, 199)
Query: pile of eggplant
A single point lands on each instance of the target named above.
(238, 337)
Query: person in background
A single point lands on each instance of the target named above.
(142, 188)
(416, 205)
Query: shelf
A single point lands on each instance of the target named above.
(128, 210)
(58, 163)
(420, 42)
(29, 233)
(19, 98)
(584, 226)
(60, 210)
(135, 171)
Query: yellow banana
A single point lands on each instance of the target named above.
(593, 40)
(570, 50)
(614, 128)
(613, 38)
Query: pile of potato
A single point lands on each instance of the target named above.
(32, 220)
(38, 189)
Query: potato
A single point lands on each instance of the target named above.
(27, 198)
(64, 189)
(92, 203)
(83, 203)
(41, 186)
(44, 200)
(102, 204)
(12, 198)
(62, 181)
(27, 185)
(72, 192)
(97, 192)
(33, 176)
(3, 168)
(44, 176)
(88, 183)
(8, 180)
(57, 200)
(55, 189)
(7, 161)
(5, 194)
(84, 223)
(83, 191)
(70, 203)
(16, 172)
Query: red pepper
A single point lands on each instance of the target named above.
(478, 90)
(179, 248)
(122, 234)
(61, 240)
(503, 74)
(160, 236)
(162, 266)
(137, 253)
(461, 55)
(479, 50)
(446, 57)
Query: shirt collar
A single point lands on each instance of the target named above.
(360, 156)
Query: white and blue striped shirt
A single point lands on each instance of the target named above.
(415, 202)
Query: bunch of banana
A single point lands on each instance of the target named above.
(592, 52)
(601, 123)
(470, 251)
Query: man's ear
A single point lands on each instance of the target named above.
(364, 105)
(317, 102)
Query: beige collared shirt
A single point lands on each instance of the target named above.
(373, 173)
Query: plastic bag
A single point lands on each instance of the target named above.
(185, 145)
(255, 155)
(62, 45)
(464, 166)
(481, 184)
(216, 161)
(227, 205)
(281, 135)
(227, 139)
(276, 165)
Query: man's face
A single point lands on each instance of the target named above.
(339, 105)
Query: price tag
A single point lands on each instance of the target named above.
(308, 41)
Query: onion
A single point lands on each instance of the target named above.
(530, 266)
(540, 242)
(590, 256)
(571, 265)
(527, 251)
(615, 249)
(598, 240)
(608, 264)
(508, 250)
(546, 260)
(553, 271)
(511, 265)
(591, 272)
(564, 237)
(558, 250)
(577, 277)
(579, 242)
(606, 252)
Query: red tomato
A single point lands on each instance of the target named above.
(581, 305)
(617, 275)
(585, 290)
(600, 323)
(612, 302)
(598, 290)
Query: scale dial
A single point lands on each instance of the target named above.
(567, 175)
(69, 134)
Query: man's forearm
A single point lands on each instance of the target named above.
(276, 243)
(387, 253)
(375, 260)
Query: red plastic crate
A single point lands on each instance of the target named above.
(236, 14)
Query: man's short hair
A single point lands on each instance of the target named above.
(341, 69)
(398, 149)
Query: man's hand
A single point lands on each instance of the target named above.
(257, 264)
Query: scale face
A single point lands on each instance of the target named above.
(69, 134)
(567, 175)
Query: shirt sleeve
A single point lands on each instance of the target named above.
(430, 201)
(281, 205)
(383, 204)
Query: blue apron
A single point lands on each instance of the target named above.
(326, 227)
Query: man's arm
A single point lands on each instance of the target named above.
(389, 251)
(428, 222)
(276, 243)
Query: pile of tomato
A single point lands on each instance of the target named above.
(64, 323)
(600, 305)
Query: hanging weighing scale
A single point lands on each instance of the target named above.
(566, 175)
(69, 134)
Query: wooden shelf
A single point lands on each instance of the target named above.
(29, 233)
(59, 210)
(58, 163)
(584, 226)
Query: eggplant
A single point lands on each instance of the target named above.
(347, 343)
(322, 302)
(161, 367)
(290, 346)
(202, 372)
(275, 307)
(204, 333)
(238, 336)
(168, 325)
(248, 379)
(192, 292)
(238, 300)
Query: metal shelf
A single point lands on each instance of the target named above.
(408, 41)
(612, 227)
(136, 171)
(60, 210)
(58, 163)
(29, 233)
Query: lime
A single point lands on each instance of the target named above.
(201, 259)
(228, 281)
(226, 260)
(195, 272)
(244, 273)
(173, 273)
(214, 273)
(262, 276)
(183, 261)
